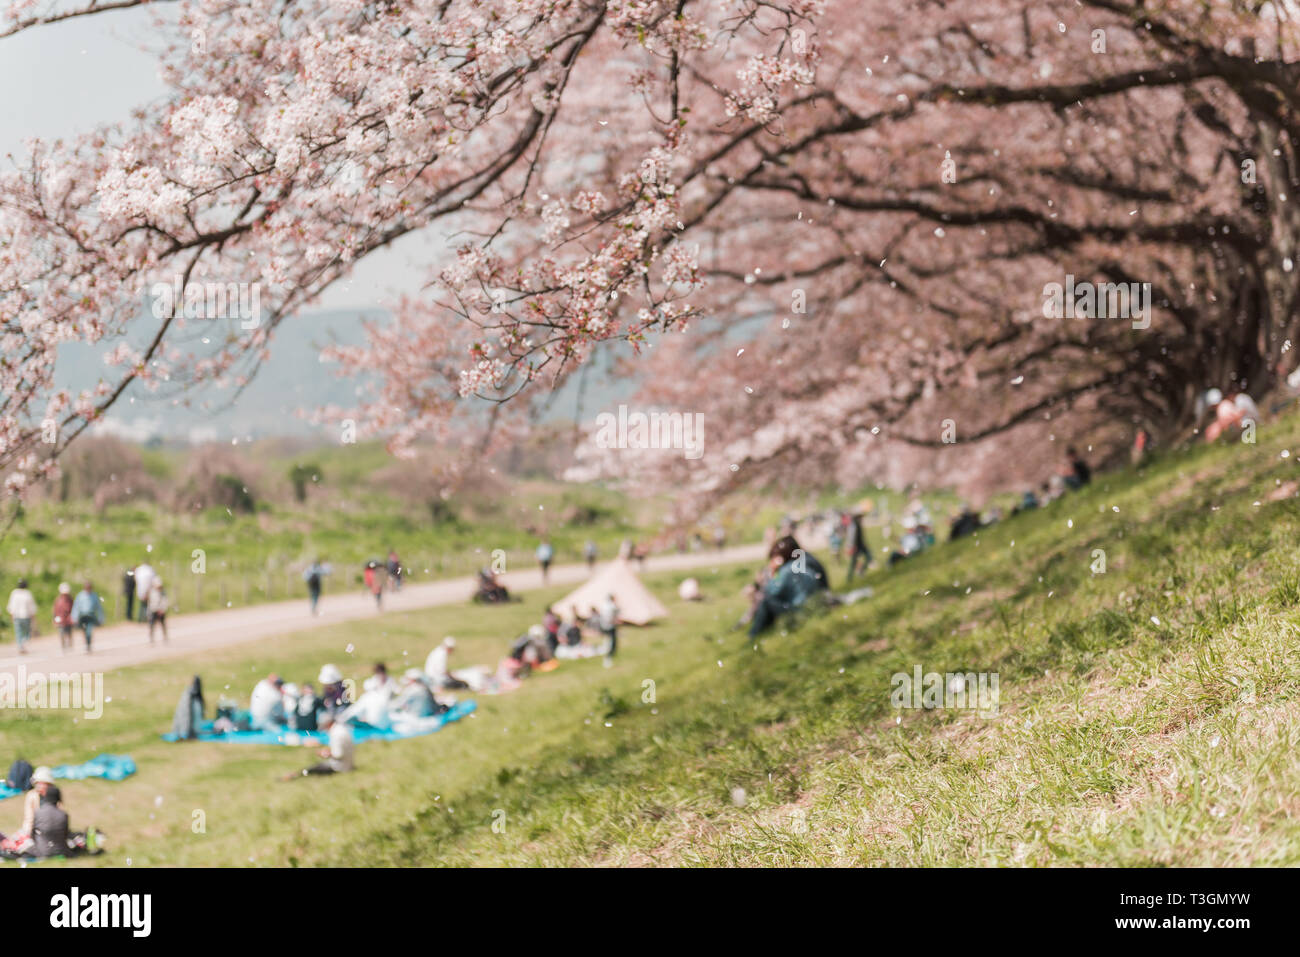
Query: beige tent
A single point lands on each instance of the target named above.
(636, 605)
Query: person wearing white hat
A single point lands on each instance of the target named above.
(333, 695)
(416, 699)
(42, 780)
(438, 667)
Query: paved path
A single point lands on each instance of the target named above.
(121, 645)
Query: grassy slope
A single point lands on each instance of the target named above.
(1148, 715)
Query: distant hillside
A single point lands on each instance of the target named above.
(291, 380)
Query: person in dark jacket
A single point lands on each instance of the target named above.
(128, 592)
(189, 711)
(1079, 474)
(965, 523)
(50, 827)
(796, 577)
(857, 545)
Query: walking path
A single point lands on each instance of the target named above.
(122, 645)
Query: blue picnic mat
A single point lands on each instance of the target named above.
(416, 728)
(112, 767)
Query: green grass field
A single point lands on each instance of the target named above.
(1148, 714)
(252, 558)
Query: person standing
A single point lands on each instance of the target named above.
(857, 544)
(63, 619)
(545, 553)
(128, 592)
(375, 582)
(314, 576)
(607, 619)
(589, 553)
(156, 607)
(144, 576)
(22, 609)
(394, 570)
(88, 611)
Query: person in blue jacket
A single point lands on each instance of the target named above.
(87, 612)
(796, 577)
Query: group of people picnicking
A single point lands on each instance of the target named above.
(793, 576)
(45, 830)
(278, 706)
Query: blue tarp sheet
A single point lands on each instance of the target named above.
(113, 767)
(416, 728)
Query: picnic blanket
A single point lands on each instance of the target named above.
(410, 728)
(111, 767)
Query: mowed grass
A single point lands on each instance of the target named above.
(1149, 714)
(248, 815)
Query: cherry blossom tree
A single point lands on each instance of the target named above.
(868, 201)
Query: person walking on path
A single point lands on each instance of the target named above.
(375, 582)
(63, 619)
(394, 570)
(545, 553)
(156, 605)
(144, 576)
(128, 592)
(87, 612)
(314, 576)
(22, 609)
(589, 553)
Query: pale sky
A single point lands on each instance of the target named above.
(68, 78)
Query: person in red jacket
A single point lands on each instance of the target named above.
(63, 616)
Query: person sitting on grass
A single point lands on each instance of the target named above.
(21, 842)
(333, 692)
(416, 699)
(571, 627)
(50, 826)
(490, 591)
(1077, 472)
(306, 710)
(266, 704)
(338, 755)
(438, 666)
(911, 542)
(796, 577)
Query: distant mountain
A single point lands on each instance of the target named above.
(290, 381)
